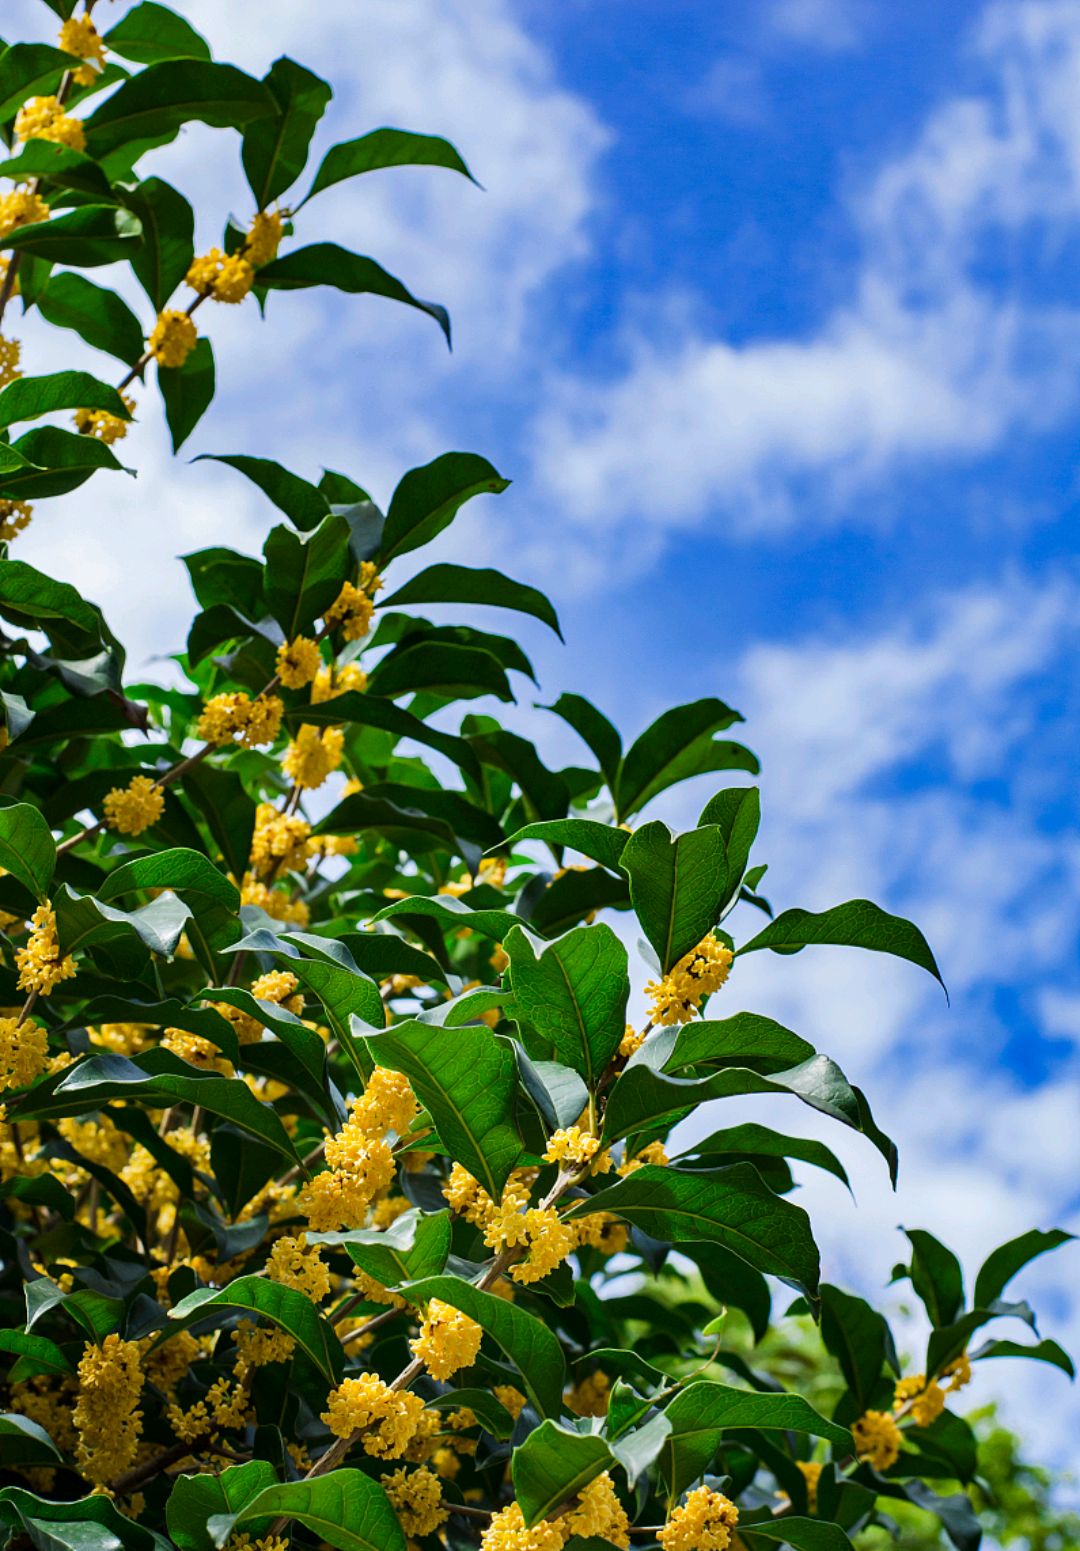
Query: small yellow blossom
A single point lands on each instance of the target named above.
(677, 997)
(448, 1340)
(631, 1042)
(43, 118)
(173, 338)
(925, 1401)
(276, 902)
(549, 1241)
(877, 1439)
(510, 1398)
(599, 1513)
(591, 1396)
(369, 1403)
(958, 1372)
(196, 1050)
(102, 426)
(80, 37)
(264, 237)
(602, 1231)
(351, 611)
(507, 1532)
(313, 754)
(257, 1347)
(294, 1263)
(21, 208)
(234, 714)
(14, 518)
(135, 807)
(224, 277)
(652, 1152)
(704, 1522)
(331, 682)
(281, 840)
(24, 1052)
(41, 965)
(279, 985)
(298, 661)
(106, 1415)
(416, 1497)
(10, 356)
(572, 1146)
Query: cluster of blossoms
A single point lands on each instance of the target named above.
(298, 661)
(677, 997)
(360, 1162)
(80, 37)
(41, 964)
(810, 1470)
(172, 339)
(416, 1497)
(294, 1263)
(354, 606)
(597, 1514)
(448, 1340)
(43, 118)
(331, 682)
(313, 754)
(387, 1418)
(15, 516)
(106, 1416)
(224, 277)
(234, 716)
(704, 1522)
(10, 357)
(221, 277)
(131, 809)
(877, 1439)
(24, 1052)
(102, 426)
(542, 1236)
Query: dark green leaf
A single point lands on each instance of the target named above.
(458, 672)
(88, 1524)
(415, 1245)
(452, 914)
(187, 391)
(49, 461)
(594, 728)
(464, 584)
(325, 263)
(936, 1276)
(605, 843)
(60, 167)
(29, 70)
(1001, 1266)
(737, 811)
(275, 150)
(304, 574)
(344, 1508)
(302, 503)
(573, 993)
(701, 1413)
(161, 99)
(428, 499)
(678, 886)
(858, 924)
(283, 1306)
(677, 745)
(753, 1140)
(860, 1340)
(96, 315)
(194, 1500)
(1040, 1351)
(27, 848)
(167, 248)
(384, 148)
(29, 397)
(151, 33)
(85, 237)
(553, 1465)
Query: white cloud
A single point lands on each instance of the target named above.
(828, 25)
(924, 362)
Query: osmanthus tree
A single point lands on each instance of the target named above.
(343, 1202)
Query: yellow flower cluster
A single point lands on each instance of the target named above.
(677, 997)
(196, 1050)
(509, 1397)
(295, 1263)
(811, 1472)
(354, 606)
(264, 238)
(235, 715)
(258, 1346)
(298, 661)
(591, 1396)
(10, 356)
(368, 1403)
(448, 1340)
(80, 37)
(602, 1231)
(386, 1104)
(704, 1522)
(548, 1241)
(133, 808)
(41, 965)
(102, 426)
(106, 1415)
(925, 1401)
(877, 1439)
(360, 1168)
(331, 682)
(279, 986)
(276, 902)
(652, 1152)
(281, 840)
(374, 1292)
(21, 208)
(14, 517)
(572, 1146)
(416, 1497)
(24, 1052)
(173, 338)
(313, 754)
(631, 1042)
(224, 277)
(958, 1372)
(507, 1532)
(599, 1513)
(43, 118)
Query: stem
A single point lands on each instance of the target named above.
(152, 1467)
(27, 1007)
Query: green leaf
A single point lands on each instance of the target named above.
(415, 1245)
(466, 584)
(428, 499)
(678, 886)
(1003, 1263)
(737, 811)
(167, 248)
(344, 1508)
(195, 1500)
(25, 1442)
(97, 315)
(220, 797)
(1040, 1351)
(325, 263)
(593, 727)
(573, 994)
(213, 900)
(60, 167)
(677, 745)
(457, 672)
(493, 1417)
(452, 914)
(860, 1340)
(800, 1534)
(752, 1141)
(857, 924)
(371, 711)
(49, 461)
(43, 1354)
(86, 237)
(554, 1464)
(187, 391)
(157, 1080)
(530, 1345)
(546, 794)
(728, 1206)
(161, 99)
(275, 150)
(604, 843)
(290, 1310)
(466, 1078)
(27, 848)
(384, 148)
(303, 504)
(29, 70)
(701, 1413)
(936, 1276)
(88, 1524)
(29, 397)
(304, 574)
(151, 33)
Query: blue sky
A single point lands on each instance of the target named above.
(769, 310)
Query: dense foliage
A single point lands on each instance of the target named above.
(345, 1199)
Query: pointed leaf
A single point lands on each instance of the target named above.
(428, 499)
(553, 1465)
(275, 150)
(678, 885)
(701, 1413)
(465, 584)
(573, 994)
(384, 148)
(325, 263)
(27, 848)
(858, 924)
(344, 1508)
(1001, 1266)
(302, 503)
(290, 1310)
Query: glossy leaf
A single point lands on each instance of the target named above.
(447, 583)
(187, 391)
(860, 1340)
(1001, 1266)
(168, 230)
(856, 924)
(290, 1310)
(156, 102)
(87, 237)
(428, 499)
(344, 1508)
(415, 1245)
(97, 315)
(553, 1465)
(28, 70)
(150, 33)
(27, 848)
(678, 885)
(384, 148)
(28, 397)
(325, 263)
(195, 1500)
(302, 503)
(677, 745)
(571, 995)
(275, 150)
(603, 842)
(701, 1413)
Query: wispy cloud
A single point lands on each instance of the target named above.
(828, 25)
